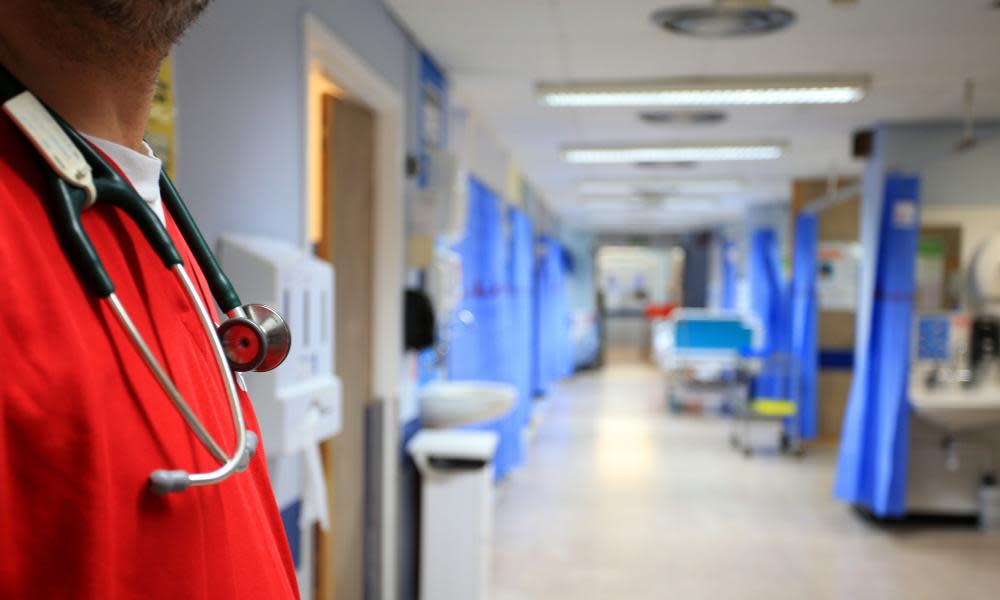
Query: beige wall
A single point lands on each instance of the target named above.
(976, 221)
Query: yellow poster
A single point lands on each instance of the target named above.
(160, 131)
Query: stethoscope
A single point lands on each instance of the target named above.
(254, 337)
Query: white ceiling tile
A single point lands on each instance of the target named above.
(918, 53)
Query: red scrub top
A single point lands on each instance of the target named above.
(83, 423)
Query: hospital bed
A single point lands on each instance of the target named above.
(707, 356)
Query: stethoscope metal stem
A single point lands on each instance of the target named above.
(229, 381)
(164, 481)
(163, 379)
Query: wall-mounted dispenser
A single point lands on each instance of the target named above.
(298, 404)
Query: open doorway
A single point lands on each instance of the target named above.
(353, 138)
(630, 280)
(343, 213)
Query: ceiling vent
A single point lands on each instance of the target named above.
(725, 18)
(692, 117)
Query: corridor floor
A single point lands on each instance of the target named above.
(620, 500)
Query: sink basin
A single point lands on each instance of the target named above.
(957, 409)
(455, 403)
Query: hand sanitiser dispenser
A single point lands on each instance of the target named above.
(298, 405)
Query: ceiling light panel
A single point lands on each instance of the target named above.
(601, 202)
(714, 92)
(696, 153)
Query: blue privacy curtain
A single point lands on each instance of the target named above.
(553, 352)
(769, 302)
(804, 343)
(768, 291)
(871, 471)
(521, 276)
(482, 349)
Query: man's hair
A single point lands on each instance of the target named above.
(149, 24)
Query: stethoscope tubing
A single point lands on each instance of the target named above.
(163, 481)
(65, 208)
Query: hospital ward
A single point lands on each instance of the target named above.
(500, 299)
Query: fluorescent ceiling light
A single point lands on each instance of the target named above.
(679, 153)
(707, 92)
(629, 187)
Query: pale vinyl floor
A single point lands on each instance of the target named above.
(621, 500)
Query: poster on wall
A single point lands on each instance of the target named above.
(160, 130)
(838, 268)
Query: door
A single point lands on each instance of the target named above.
(347, 242)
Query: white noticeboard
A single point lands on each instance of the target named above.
(838, 269)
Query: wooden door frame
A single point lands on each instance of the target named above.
(359, 81)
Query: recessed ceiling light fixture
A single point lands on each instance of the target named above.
(630, 187)
(725, 18)
(707, 92)
(668, 153)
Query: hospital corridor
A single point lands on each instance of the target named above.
(632, 505)
(500, 299)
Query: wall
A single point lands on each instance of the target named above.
(964, 189)
(917, 146)
(624, 264)
(481, 153)
(957, 188)
(975, 222)
(241, 103)
(967, 178)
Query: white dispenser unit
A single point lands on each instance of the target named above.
(456, 520)
(298, 405)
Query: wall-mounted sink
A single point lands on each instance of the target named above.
(957, 409)
(456, 403)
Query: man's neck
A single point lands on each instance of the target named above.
(107, 99)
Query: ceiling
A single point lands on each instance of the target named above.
(917, 52)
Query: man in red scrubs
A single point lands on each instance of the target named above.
(83, 422)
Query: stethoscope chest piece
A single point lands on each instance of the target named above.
(255, 338)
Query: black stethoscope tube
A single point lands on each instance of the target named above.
(65, 207)
(69, 203)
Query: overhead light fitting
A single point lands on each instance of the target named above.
(725, 18)
(633, 187)
(707, 92)
(640, 203)
(689, 152)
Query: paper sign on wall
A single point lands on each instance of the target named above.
(838, 267)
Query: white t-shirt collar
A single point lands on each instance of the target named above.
(143, 170)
